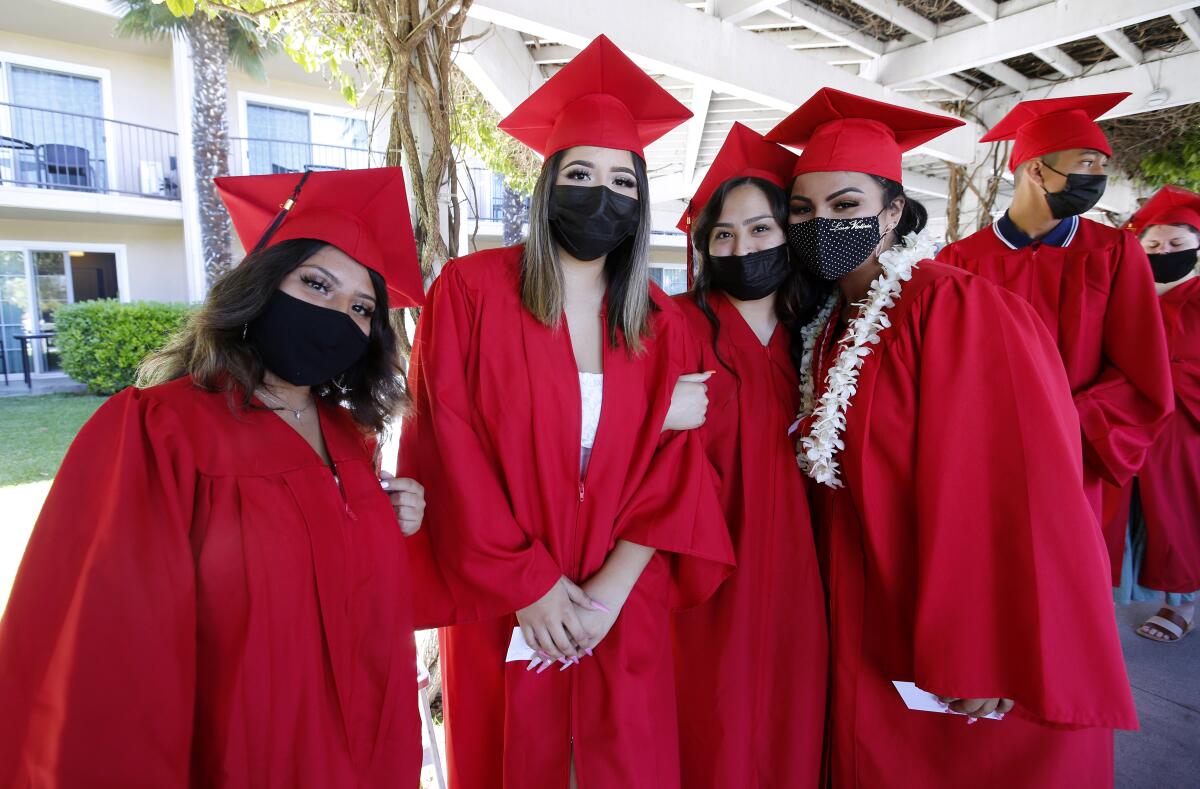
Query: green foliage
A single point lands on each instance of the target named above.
(249, 42)
(102, 342)
(475, 128)
(1176, 163)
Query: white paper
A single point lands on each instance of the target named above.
(924, 701)
(518, 649)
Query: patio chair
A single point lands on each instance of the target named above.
(65, 166)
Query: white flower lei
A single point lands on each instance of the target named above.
(816, 450)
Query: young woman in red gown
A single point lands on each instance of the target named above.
(217, 589)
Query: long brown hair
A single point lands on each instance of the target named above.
(796, 299)
(212, 349)
(627, 268)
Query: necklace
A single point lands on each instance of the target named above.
(817, 450)
(281, 405)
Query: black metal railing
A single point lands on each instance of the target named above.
(260, 156)
(50, 149)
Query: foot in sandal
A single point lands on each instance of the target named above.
(1170, 624)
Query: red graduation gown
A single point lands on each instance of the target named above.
(751, 663)
(962, 555)
(1096, 296)
(1169, 480)
(200, 606)
(494, 437)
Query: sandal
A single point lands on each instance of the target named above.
(1173, 627)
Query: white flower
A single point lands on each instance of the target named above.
(817, 450)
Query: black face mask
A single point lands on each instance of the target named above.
(1170, 266)
(832, 248)
(1079, 196)
(304, 344)
(753, 276)
(590, 221)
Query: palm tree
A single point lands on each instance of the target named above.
(216, 41)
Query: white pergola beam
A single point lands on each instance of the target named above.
(731, 60)
(736, 11)
(830, 25)
(701, 101)
(901, 17)
(1189, 23)
(952, 84)
(798, 39)
(1007, 75)
(1118, 42)
(987, 10)
(499, 65)
(1037, 28)
(1175, 75)
(1061, 61)
(926, 185)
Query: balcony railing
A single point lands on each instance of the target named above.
(49, 149)
(260, 156)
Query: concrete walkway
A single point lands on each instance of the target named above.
(1165, 753)
(50, 385)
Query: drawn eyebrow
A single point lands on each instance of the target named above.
(324, 271)
(580, 162)
(844, 191)
(624, 170)
(757, 218)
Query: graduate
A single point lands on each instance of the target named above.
(957, 546)
(217, 589)
(1089, 283)
(564, 522)
(751, 662)
(1155, 518)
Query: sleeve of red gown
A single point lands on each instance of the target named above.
(97, 646)
(675, 508)
(1122, 412)
(1185, 373)
(1013, 595)
(471, 560)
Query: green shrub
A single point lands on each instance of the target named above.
(102, 342)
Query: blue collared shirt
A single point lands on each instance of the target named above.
(1012, 237)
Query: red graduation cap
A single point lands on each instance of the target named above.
(843, 132)
(1044, 126)
(364, 213)
(600, 98)
(1171, 205)
(744, 153)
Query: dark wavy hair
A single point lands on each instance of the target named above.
(913, 218)
(797, 298)
(211, 347)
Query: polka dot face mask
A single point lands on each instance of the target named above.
(832, 248)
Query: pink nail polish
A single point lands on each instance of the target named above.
(544, 667)
(575, 660)
(589, 652)
(532, 663)
(1000, 716)
(599, 606)
(971, 720)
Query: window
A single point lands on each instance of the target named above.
(670, 277)
(287, 140)
(36, 282)
(55, 126)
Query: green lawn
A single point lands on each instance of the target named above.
(36, 431)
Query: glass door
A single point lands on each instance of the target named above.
(14, 306)
(52, 278)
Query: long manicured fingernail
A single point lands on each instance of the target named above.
(971, 720)
(1000, 716)
(575, 660)
(532, 663)
(599, 606)
(383, 483)
(544, 667)
(567, 666)
(589, 652)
